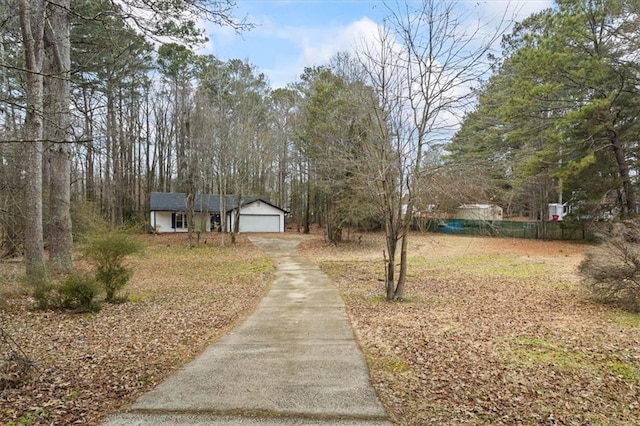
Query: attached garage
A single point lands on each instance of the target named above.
(256, 223)
(259, 216)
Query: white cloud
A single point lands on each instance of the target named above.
(327, 42)
(285, 50)
(313, 46)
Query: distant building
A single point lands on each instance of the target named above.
(557, 211)
(488, 212)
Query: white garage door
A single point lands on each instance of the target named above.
(259, 223)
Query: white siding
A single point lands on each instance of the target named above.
(161, 222)
(259, 217)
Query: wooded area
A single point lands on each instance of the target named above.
(558, 119)
(104, 102)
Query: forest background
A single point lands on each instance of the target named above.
(104, 102)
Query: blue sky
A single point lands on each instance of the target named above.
(292, 34)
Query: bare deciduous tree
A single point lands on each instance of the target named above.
(422, 67)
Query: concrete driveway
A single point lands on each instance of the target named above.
(294, 361)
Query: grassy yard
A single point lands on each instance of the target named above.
(493, 331)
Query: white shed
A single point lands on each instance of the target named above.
(489, 212)
(556, 211)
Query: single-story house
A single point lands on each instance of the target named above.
(169, 213)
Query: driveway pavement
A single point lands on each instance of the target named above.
(294, 361)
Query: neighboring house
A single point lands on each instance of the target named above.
(169, 213)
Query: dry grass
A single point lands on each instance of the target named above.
(492, 332)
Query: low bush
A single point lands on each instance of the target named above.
(44, 295)
(610, 271)
(113, 278)
(78, 292)
(108, 251)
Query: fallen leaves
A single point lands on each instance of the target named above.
(493, 331)
(89, 365)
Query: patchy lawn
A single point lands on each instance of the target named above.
(88, 365)
(493, 331)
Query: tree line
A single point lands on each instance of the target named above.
(104, 102)
(558, 119)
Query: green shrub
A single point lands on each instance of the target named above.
(45, 296)
(113, 278)
(39, 286)
(107, 251)
(611, 270)
(78, 291)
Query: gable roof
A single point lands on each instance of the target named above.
(177, 202)
(250, 200)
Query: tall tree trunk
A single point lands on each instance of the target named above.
(329, 220)
(118, 149)
(307, 204)
(32, 13)
(628, 204)
(109, 172)
(390, 257)
(402, 276)
(150, 169)
(90, 184)
(223, 213)
(56, 70)
(160, 147)
(236, 217)
(283, 163)
(190, 201)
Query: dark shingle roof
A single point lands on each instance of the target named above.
(177, 202)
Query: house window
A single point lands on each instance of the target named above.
(214, 222)
(181, 221)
